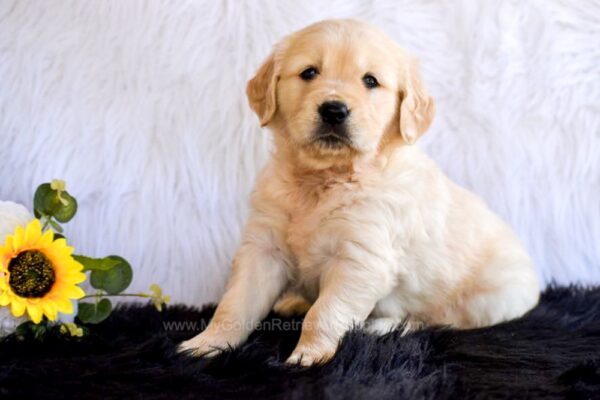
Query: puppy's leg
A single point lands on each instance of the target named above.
(290, 304)
(349, 292)
(508, 289)
(258, 277)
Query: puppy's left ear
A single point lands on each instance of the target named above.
(417, 108)
(261, 91)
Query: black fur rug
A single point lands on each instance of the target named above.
(553, 352)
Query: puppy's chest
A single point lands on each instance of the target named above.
(310, 210)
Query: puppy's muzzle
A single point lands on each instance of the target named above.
(333, 112)
(332, 131)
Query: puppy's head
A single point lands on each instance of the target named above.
(338, 90)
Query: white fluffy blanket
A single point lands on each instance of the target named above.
(140, 107)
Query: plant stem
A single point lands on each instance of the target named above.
(97, 295)
(46, 223)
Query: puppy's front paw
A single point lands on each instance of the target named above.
(381, 326)
(203, 345)
(307, 356)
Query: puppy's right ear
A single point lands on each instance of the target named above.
(261, 91)
(417, 108)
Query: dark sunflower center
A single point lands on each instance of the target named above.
(31, 274)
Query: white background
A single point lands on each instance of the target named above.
(140, 107)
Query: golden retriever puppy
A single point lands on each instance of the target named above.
(352, 217)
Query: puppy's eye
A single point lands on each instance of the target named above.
(370, 81)
(309, 73)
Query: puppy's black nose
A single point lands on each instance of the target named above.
(333, 112)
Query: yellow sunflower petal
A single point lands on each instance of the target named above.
(49, 310)
(4, 260)
(46, 239)
(33, 232)
(74, 277)
(35, 300)
(17, 307)
(76, 266)
(6, 252)
(73, 292)
(59, 243)
(4, 299)
(69, 250)
(35, 312)
(17, 239)
(59, 251)
(64, 306)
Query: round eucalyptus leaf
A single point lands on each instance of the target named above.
(115, 279)
(66, 212)
(46, 201)
(94, 313)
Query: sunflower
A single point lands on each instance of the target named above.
(38, 274)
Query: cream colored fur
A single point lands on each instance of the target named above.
(373, 232)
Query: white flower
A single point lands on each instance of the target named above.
(11, 215)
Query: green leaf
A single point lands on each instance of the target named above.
(66, 212)
(24, 328)
(96, 264)
(46, 201)
(115, 280)
(29, 329)
(40, 331)
(92, 313)
(56, 226)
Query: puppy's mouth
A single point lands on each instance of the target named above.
(332, 136)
